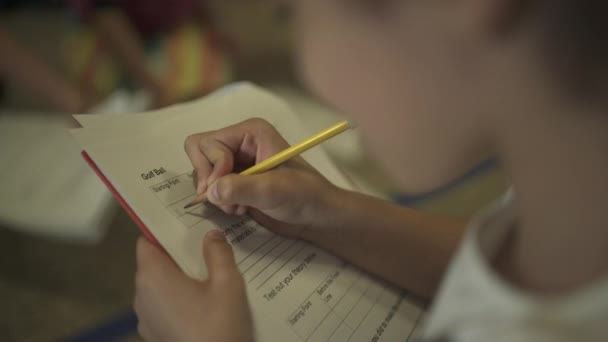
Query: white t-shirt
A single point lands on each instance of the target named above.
(476, 304)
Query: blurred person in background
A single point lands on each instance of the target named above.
(125, 25)
(27, 70)
(121, 28)
(114, 50)
(435, 86)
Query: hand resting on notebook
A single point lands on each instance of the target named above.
(174, 307)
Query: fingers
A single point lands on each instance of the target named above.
(144, 251)
(201, 165)
(219, 155)
(219, 259)
(213, 154)
(256, 190)
(150, 256)
(210, 158)
(155, 277)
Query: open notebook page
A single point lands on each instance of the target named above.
(297, 291)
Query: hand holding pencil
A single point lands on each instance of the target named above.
(289, 199)
(285, 155)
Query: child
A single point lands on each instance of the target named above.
(435, 86)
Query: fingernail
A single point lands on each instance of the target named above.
(216, 235)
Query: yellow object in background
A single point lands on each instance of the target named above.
(189, 61)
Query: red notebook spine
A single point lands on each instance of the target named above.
(122, 201)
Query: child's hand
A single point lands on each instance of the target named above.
(287, 199)
(173, 307)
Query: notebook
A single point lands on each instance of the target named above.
(297, 291)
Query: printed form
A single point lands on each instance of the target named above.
(297, 292)
(339, 303)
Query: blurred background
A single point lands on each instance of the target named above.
(66, 248)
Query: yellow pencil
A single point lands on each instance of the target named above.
(287, 154)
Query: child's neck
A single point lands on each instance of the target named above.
(557, 156)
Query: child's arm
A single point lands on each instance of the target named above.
(21, 66)
(407, 247)
(118, 33)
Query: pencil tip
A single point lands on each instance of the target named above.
(189, 205)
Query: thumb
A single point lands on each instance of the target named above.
(219, 258)
(254, 191)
